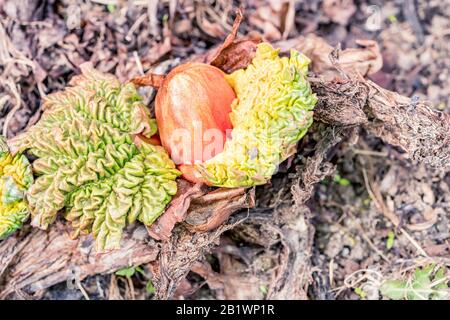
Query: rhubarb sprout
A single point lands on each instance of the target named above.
(272, 112)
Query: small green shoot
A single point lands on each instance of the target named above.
(341, 181)
(392, 18)
(264, 289)
(361, 293)
(111, 7)
(149, 287)
(390, 240)
(129, 271)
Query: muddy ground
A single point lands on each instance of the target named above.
(356, 243)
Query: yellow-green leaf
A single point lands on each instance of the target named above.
(272, 112)
(92, 163)
(15, 178)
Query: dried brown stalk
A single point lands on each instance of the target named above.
(413, 126)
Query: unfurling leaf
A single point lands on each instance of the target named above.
(94, 161)
(126, 272)
(390, 240)
(272, 112)
(15, 178)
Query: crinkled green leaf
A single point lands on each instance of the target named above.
(272, 112)
(16, 177)
(89, 163)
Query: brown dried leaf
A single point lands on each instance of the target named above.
(159, 49)
(204, 269)
(150, 80)
(438, 250)
(276, 20)
(177, 210)
(232, 54)
(238, 55)
(152, 12)
(25, 10)
(431, 217)
(368, 58)
(365, 61)
(339, 11)
(211, 210)
(211, 28)
(268, 20)
(238, 284)
(288, 18)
